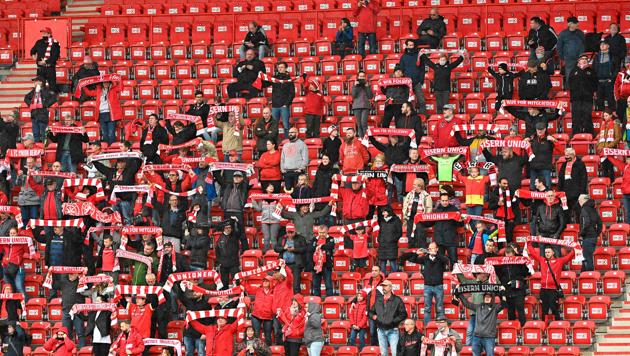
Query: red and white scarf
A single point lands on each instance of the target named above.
(141, 188)
(413, 168)
(510, 144)
(176, 344)
(135, 290)
(270, 266)
(192, 143)
(166, 167)
(291, 204)
(499, 223)
(12, 210)
(120, 253)
(451, 215)
(94, 182)
(238, 313)
(528, 194)
(188, 118)
(319, 258)
(461, 150)
(214, 110)
(489, 166)
(142, 230)
(339, 178)
(388, 82)
(86, 208)
(372, 223)
(248, 168)
(439, 346)
(579, 255)
(184, 276)
(49, 46)
(62, 270)
(79, 130)
(460, 268)
(98, 279)
(411, 133)
(505, 212)
(607, 131)
(568, 169)
(91, 307)
(548, 104)
(13, 153)
(51, 174)
(236, 290)
(14, 296)
(261, 196)
(99, 229)
(258, 83)
(114, 78)
(19, 240)
(511, 260)
(78, 223)
(615, 152)
(474, 128)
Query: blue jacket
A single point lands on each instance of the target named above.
(408, 64)
(344, 36)
(570, 44)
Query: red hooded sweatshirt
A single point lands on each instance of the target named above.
(131, 341)
(366, 17)
(293, 325)
(58, 347)
(218, 341)
(355, 204)
(263, 304)
(283, 292)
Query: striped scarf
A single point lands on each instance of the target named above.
(19, 240)
(258, 83)
(120, 253)
(86, 208)
(94, 182)
(51, 174)
(373, 224)
(475, 128)
(411, 133)
(176, 344)
(489, 166)
(214, 110)
(506, 212)
(188, 118)
(48, 48)
(135, 290)
(238, 313)
(62, 270)
(78, 223)
(510, 144)
(607, 132)
(90, 307)
(270, 266)
(461, 150)
(184, 276)
(528, 194)
(499, 223)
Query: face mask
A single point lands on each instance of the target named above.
(45, 37)
(539, 55)
(387, 218)
(410, 50)
(361, 81)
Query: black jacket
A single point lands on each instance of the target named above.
(442, 73)
(582, 84)
(242, 195)
(102, 323)
(393, 154)
(390, 314)
(579, 180)
(193, 305)
(543, 149)
(432, 269)
(265, 131)
(409, 344)
(227, 249)
(75, 145)
(299, 245)
(40, 47)
(328, 247)
(258, 38)
(504, 83)
(72, 245)
(605, 68)
(533, 85)
(12, 307)
(331, 148)
(198, 244)
(512, 277)
(248, 76)
(70, 294)
(618, 49)
(544, 36)
(48, 99)
(128, 176)
(189, 132)
(399, 94)
(159, 136)
(282, 93)
(493, 203)
(173, 228)
(200, 110)
(323, 179)
(412, 121)
(549, 220)
(590, 222)
(84, 72)
(437, 25)
(15, 342)
(388, 236)
(511, 168)
(411, 68)
(445, 231)
(530, 120)
(167, 266)
(9, 132)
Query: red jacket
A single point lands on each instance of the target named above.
(283, 292)
(442, 133)
(377, 190)
(133, 340)
(13, 254)
(115, 110)
(355, 204)
(218, 342)
(622, 85)
(315, 102)
(269, 164)
(63, 347)
(293, 326)
(366, 17)
(546, 279)
(263, 305)
(625, 177)
(353, 156)
(359, 246)
(358, 314)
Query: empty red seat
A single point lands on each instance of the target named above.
(583, 332)
(603, 258)
(598, 307)
(558, 332)
(533, 332)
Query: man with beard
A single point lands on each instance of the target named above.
(353, 155)
(46, 53)
(550, 221)
(294, 159)
(500, 201)
(409, 120)
(414, 69)
(582, 85)
(442, 135)
(395, 96)
(246, 72)
(200, 108)
(89, 68)
(533, 84)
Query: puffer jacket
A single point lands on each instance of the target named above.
(263, 302)
(357, 314)
(267, 208)
(313, 331)
(550, 220)
(199, 244)
(388, 237)
(590, 222)
(227, 248)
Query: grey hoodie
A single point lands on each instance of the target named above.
(294, 156)
(313, 329)
(486, 317)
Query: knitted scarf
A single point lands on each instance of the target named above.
(474, 128)
(114, 78)
(506, 212)
(167, 148)
(48, 48)
(461, 150)
(135, 290)
(120, 253)
(176, 344)
(511, 260)
(214, 110)
(184, 276)
(79, 130)
(459, 268)
(568, 169)
(236, 290)
(238, 313)
(14, 296)
(334, 188)
(527, 194)
(188, 118)
(86, 208)
(166, 167)
(451, 215)
(13, 153)
(51, 174)
(258, 83)
(19, 240)
(248, 168)
(440, 347)
(116, 155)
(94, 182)
(62, 270)
(91, 307)
(270, 266)
(387, 82)
(291, 204)
(78, 223)
(607, 131)
(579, 255)
(411, 133)
(98, 279)
(499, 223)
(141, 188)
(373, 224)
(13, 210)
(510, 144)
(489, 166)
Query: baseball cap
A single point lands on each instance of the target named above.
(540, 126)
(238, 174)
(449, 107)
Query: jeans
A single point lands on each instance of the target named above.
(431, 292)
(474, 210)
(108, 128)
(267, 326)
(317, 282)
(362, 121)
(74, 324)
(371, 37)
(270, 235)
(125, 209)
(487, 343)
(545, 173)
(283, 113)
(399, 185)
(290, 178)
(39, 129)
(191, 343)
(17, 282)
(392, 263)
(388, 338)
(421, 104)
(470, 330)
(626, 208)
(353, 335)
(373, 334)
(589, 248)
(441, 99)
(29, 212)
(66, 162)
(277, 331)
(315, 348)
(263, 51)
(211, 134)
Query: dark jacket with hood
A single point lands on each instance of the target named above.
(388, 314)
(533, 85)
(409, 344)
(48, 99)
(15, 341)
(395, 154)
(442, 73)
(331, 148)
(511, 168)
(432, 268)
(282, 93)
(84, 72)
(399, 94)
(313, 329)
(512, 277)
(411, 68)
(485, 317)
(227, 249)
(9, 132)
(198, 244)
(410, 122)
(590, 221)
(582, 84)
(159, 136)
(72, 245)
(543, 149)
(75, 145)
(445, 231)
(544, 36)
(579, 180)
(550, 220)
(438, 26)
(504, 83)
(388, 236)
(618, 49)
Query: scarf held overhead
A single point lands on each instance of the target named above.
(115, 78)
(510, 144)
(92, 307)
(184, 276)
(62, 270)
(135, 290)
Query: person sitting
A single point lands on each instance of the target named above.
(343, 39)
(431, 30)
(246, 72)
(255, 39)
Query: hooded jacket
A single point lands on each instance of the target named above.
(442, 73)
(58, 347)
(409, 344)
(357, 314)
(323, 179)
(390, 313)
(445, 231)
(442, 135)
(543, 149)
(504, 83)
(550, 219)
(313, 331)
(533, 85)
(582, 84)
(512, 277)
(199, 244)
(293, 325)
(361, 96)
(113, 98)
(283, 292)
(355, 203)
(432, 268)
(388, 236)
(399, 94)
(227, 249)
(410, 66)
(578, 184)
(263, 304)
(9, 132)
(48, 99)
(485, 317)
(304, 223)
(590, 221)
(544, 36)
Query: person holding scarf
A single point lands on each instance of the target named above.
(322, 184)
(200, 108)
(39, 100)
(99, 327)
(609, 136)
(232, 135)
(108, 103)
(542, 146)
(573, 180)
(45, 53)
(395, 96)
(292, 248)
(417, 201)
(323, 262)
(442, 134)
(69, 145)
(128, 343)
(12, 263)
(376, 187)
(293, 320)
(513, 278)
(361, 104)
(444, 331)
(410, 339)
(371, 285)
(550, 220)
(505, 208)
(270, 224)
(153, 135)
(265, 129)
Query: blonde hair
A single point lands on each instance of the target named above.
(380, 157)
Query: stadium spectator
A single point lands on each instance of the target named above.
(606, 71)
(39, 100)
(410, 120)
(410, 341)
(570, 46)
(15, 339)
(550, 269)
(609, 136)
(444, 331)
(361, 103)
(270, 223)
(344, 37)
(395, 152)
(294, 159)
(442, 134)
(485, 322)
(331, 145)
(313, 330)
(46, 53)
(477, 298)
(618, 47)
(395, 96)
(314, 107)
(365, 13)
(262, 313)
(513, 278)
(323, 261)
(445, 231)
(246, 73)
(622, 91)
(294, 319)
(431, 30)
(357, 316)
(388, 312)
(292, 248)
(69, 145)
(353, 156)
(533, 83)
(501, 201)
(415, 69)
(504, 84)
(590, 229)
(540, 35)
(442, 78)
(417, 201)
(201, 108)
(233, 200)
(107, 96)
(304, 220)
(542, 147)
(89, 68)
(573, 180)
(282, 95)
(550, 221)
(582, 85)
(61, 344)
(252, 345)
(153, 135)
(266, 129)
(9, 133)
(255, 40)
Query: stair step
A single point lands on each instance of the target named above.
(86, 2)
(79, 8)
(83, 13)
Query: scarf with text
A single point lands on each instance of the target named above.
(474, 128)
(488, 166)
(460, 268)
(510, 144)
(528, 194)
(79, 130)
(62, 270)
(92, 307)
(499, 223)
(14, 296)
(236, 290)
(546, 104)
(120, 253)
(275, 196)
(511, 260)
(93, 182)
(423, 217)
(15, 153)
(184, 276)
(141, 188)
(615, 152)
(12, 210)
(176, 344)
(579, 254)
(461, 150)
(114, 78)
(258, 83)
(505, 212)
(188, 193)
(214, 110)
(248, 168)
(19, 240)
(166, 167)
(155, 231)
(270, 266)
(607, 131)
(392, 82)
(51, 174)
(135, 290)
(98, 279)
(86, 208)
(291, 204)
(478, 288)
(192, 143)
(373, 174)
(200, 129)
(238, 313)
(441, 347)
(411, 133)
(78, 223)
(116, 155)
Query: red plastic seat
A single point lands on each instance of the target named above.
(533, 332)
(603, 258)
(583, 332)
(598, 307)
(558, 332)
(338, 332)
(588, 282)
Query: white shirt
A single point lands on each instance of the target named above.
(97, 338)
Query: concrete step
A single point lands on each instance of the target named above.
(86, 2)
(79, 8)
(89, 12)
(618, 347)
(14, 85)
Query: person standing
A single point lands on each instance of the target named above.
(395, 96)
(292, 249)
(15, 339)
(266, 129)
(582, 86)
(504, 84)
(201, 108)
(69, 146)
(323, 262)
(89, 68)
(505, 209)
(365, 13)
(570, 46)
(573, 180)
(410, 341)
(414, 69)
(153, 135)
(357, 315)
(233, 204)
(294, 320)
(9, 133)
(485, 322)
(445, 231)
(431, 30)
(282, 95)
(609, 136)
(331, 145)
(541, 35)
(417, 201)
(542, 147)
(313, 331)
(622, 91)
(388, 312)
(107, 101)
(512, 277)
(361, 105)
(314, 107)
(227, 247)
(618, 47)
(534, 83)
(294, 158)
(389, 234)
(442, 136)
(99, 327)
(45, 53)
(590, 229)
(444, 331)
(39, 99)
(353, 156)
(550, 220)
(442, 78)
(606, 71)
